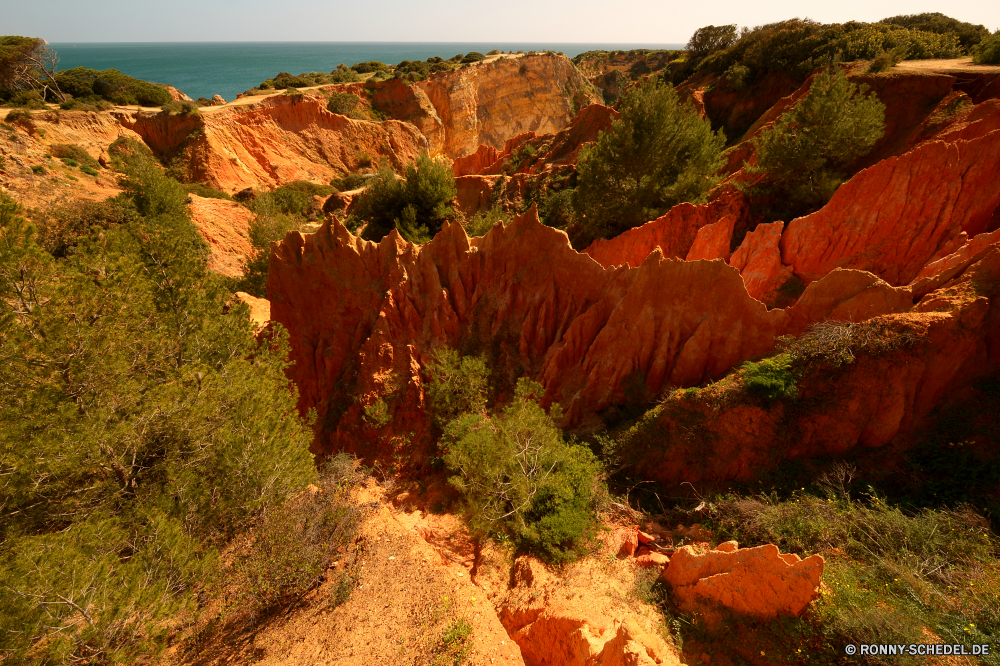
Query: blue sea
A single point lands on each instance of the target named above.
(227, 68)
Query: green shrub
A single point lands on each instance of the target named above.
(18, 117)
(203, 190)
(370, 66)
(75, 153)
(987, 52)
(736, 76)
(455, 645)
(658, 153)
(285, 80)
(111, 85)
(968, 34)
(351, 181)
(344, 74)
(70, 163)
(27, 99)
(887, 60)
(90, 104)
(711, 38)
(175, 107)
(345, 104)
(770, 379)
(294, 544)
(89, 170)
(142, 427)
(38, 169)
(806, 153)
(473, 56)
(482, 222)
(556, 209)
(458, 385)
(519, 478)
(416, 206)
(270, 225)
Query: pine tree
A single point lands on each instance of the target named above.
(658, 153)
(805, 155)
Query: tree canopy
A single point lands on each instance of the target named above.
(658, 153)
(140, 424)
(805, 154)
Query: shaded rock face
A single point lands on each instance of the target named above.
(897, 216)
(947, 342)
(753, 581)
(556, 149)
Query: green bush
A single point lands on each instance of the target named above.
(370, 66)
(351, 181)
(294, 543)
(343, 103)
(658, 153)
(473, 56)
(284, 80)
(203, 190)
(111, 85)
(143, 426)
(806, 153)
(770, 379)
(519, 478)
(38, 169)
(458, 385)
(89, 170)
(968, 34)
(482, 222)
(185, 107)
(19, 117)
(887, 60)
(416, 206)
(987, 52)
(711, 38)
(74, 152)
(269, 225)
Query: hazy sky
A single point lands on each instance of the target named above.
(621, 21)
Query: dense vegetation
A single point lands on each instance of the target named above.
(658, 153)
(140, 427)
(805, 155)
(519, 478)
(416, 206)
(987, 52)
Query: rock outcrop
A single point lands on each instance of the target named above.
(675, 233)
(225, 226)
(753, 581)
(489, 103)
(521, 290)
(894, 218)
(548, 150)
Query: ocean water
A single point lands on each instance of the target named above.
(228, 68)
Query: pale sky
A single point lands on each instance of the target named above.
(562, 21)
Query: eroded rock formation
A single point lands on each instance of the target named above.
(757, 581)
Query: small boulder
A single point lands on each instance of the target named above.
(754, 581)
(217, 100)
